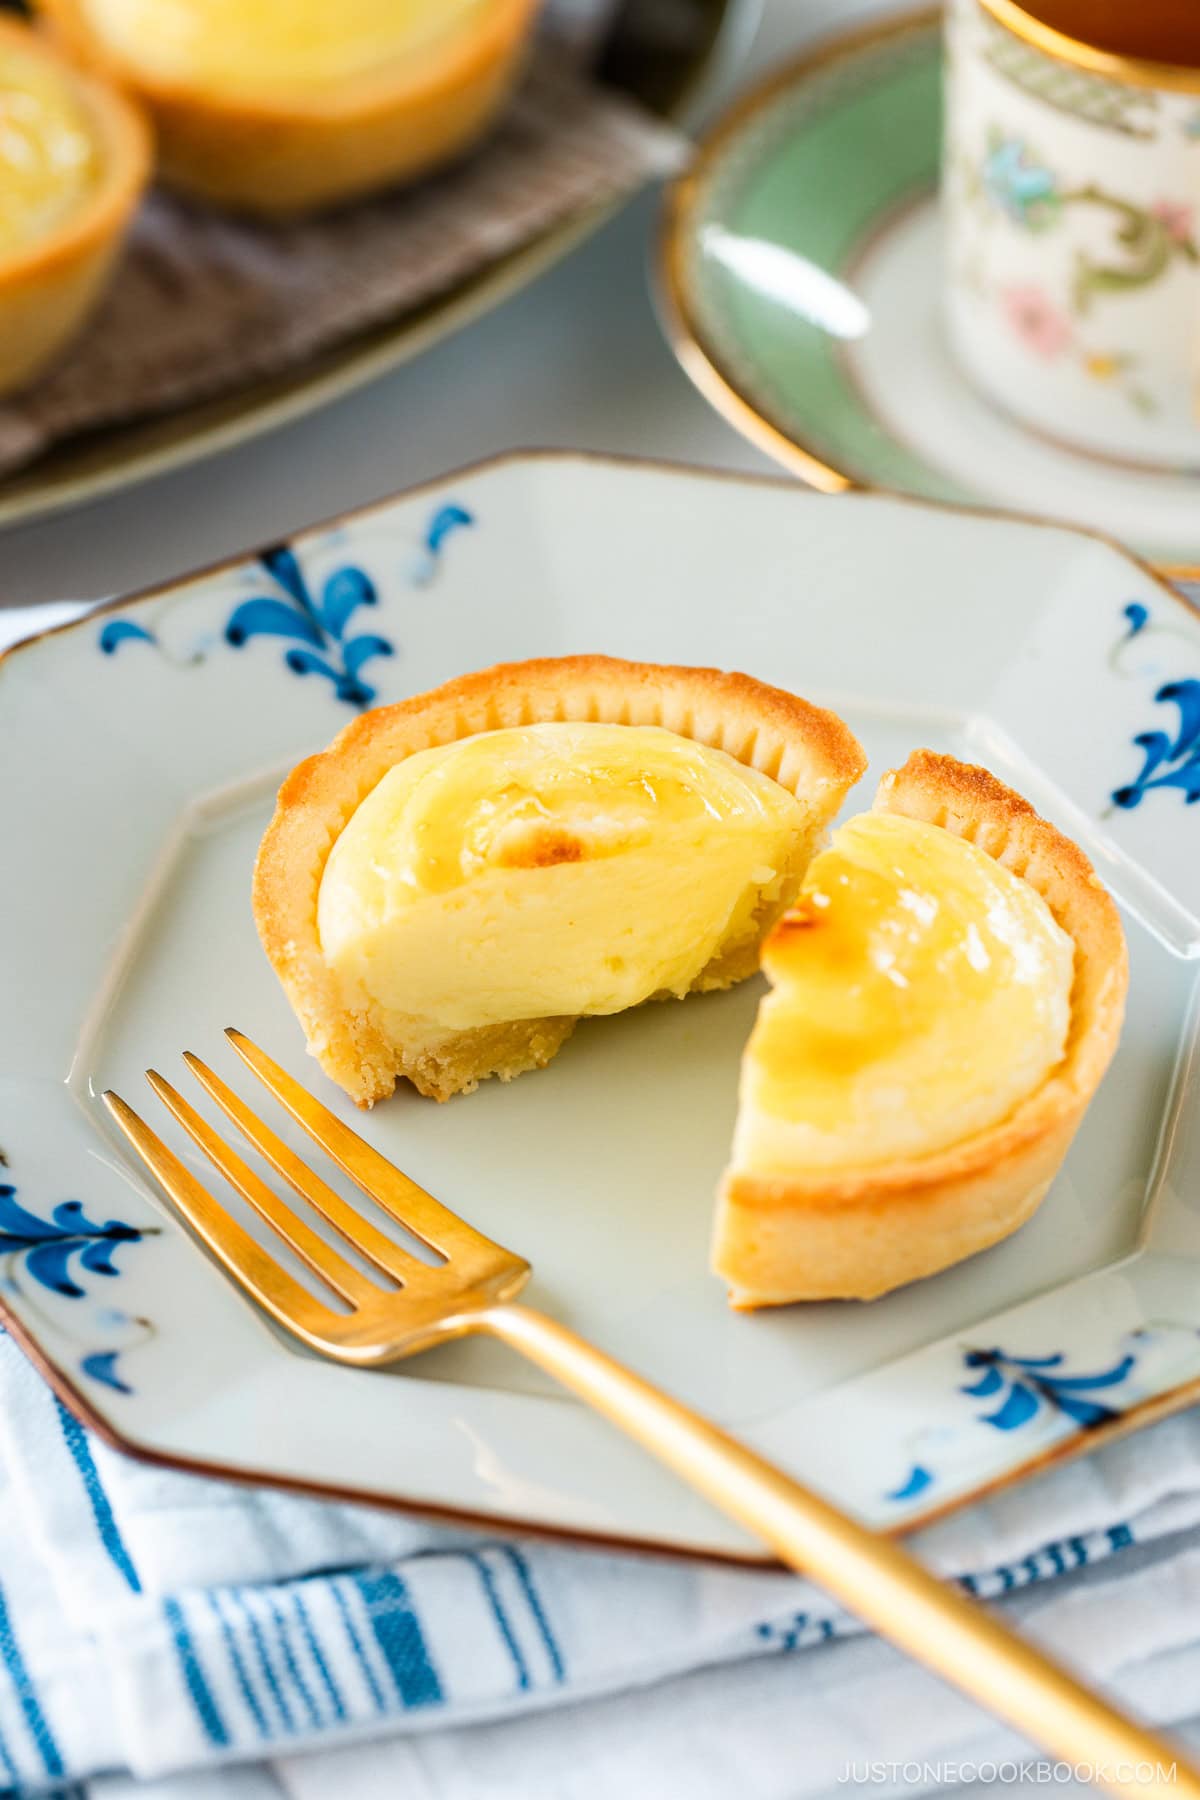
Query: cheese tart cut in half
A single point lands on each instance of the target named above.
(74, 159)
(946, 994)
(461, 877)
(283, 106)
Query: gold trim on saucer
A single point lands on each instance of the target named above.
(1134, 71)
(684, 333)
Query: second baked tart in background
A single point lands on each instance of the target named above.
(280, 107)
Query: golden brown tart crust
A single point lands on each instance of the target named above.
(857, 1234)
(50, 285)
(807, 750)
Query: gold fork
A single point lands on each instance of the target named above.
(473, 1290)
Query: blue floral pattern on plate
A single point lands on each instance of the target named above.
(1022, 1388)
(1022, 1385)
(49, 1245)
(317, 622)
(57, 1253)
(1170, 759)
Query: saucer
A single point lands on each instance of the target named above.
(800, 276)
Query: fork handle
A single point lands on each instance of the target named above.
(885, 1586)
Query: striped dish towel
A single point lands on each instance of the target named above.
(154, 1622)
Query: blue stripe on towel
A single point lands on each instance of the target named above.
(1062, 1556)
(193, 1676)
(502, 1620)
(8, 1765)
(557, 1662)
(245, 1685)
(356, 1644)
(315, 1651)
(284, 1635)
(238, 1599)
(35, 1718)
(399, 1636)
(102, 1512)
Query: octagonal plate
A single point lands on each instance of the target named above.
(141, 750)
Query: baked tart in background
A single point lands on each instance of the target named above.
(280, 107)
(460, 877)
(946, 996)
(74, 158)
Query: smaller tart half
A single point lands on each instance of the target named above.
(293, 105)
(946, 997)
(74, 158)
(460, 877)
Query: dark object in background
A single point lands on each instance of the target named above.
(652, 47)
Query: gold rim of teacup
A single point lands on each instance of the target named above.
(1136, 71)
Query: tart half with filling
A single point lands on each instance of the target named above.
(459, 878)
(947, 993)
(282, 106)
(74, 158)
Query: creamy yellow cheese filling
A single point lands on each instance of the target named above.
(257, 46)
(920, 992)
(551, 870)
(49, 157)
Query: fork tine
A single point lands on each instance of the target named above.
(321, 1258)
(366, 1238)
(387, 1185)
(246, 1261)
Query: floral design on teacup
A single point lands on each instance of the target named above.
(1021, 187)
(1083, 185)
(1047, 331)
(1041, 325)
(1015, 186)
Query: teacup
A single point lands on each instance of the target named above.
(1071, 196)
